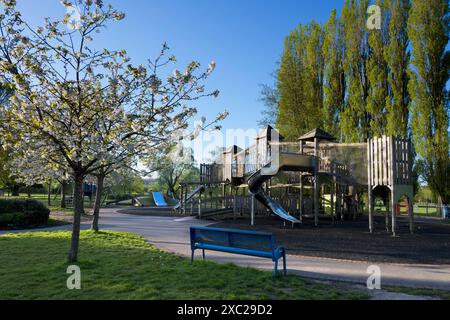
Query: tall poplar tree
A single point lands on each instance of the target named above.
(334, 78)
(355, 120)
(300, 82)
(290, 79)
(313, 84)
(398, 58)
(377, 73)
(428, 30)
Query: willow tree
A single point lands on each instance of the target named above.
(58, 76)
(334, 77)
(428, 30)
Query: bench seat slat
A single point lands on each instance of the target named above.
(248, 252)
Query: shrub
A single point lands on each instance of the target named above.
(22, 213)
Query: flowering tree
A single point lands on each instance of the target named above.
(84, 108)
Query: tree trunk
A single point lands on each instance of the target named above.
(98, 202)
(440, 205)
(63, 195)
(78, 209)
(49, 193)
(15, 191)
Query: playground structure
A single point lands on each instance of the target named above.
(314, 177)
(159, 199)
(89, 189)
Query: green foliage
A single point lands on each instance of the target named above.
(425, 194)
(270, 97)
(22, 213)
(355, 119)
(334, 78)
(377, 74)
(6, 91)
(428, 30)
(398, 57)
(7, 179)
(119, 265)
(300, 82)
(125, 184)
(174, 165)
(360, 75)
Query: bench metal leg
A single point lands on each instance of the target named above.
(192, 256)
(284, 264)
(203, 253)
(275, 271)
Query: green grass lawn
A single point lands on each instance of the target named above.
(124, 266)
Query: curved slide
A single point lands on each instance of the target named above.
(158, 197)
(287, 162)
(190, 196)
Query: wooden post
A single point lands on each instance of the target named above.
(316, 184)
(333, 185)
(388, 202)
(394, 213)
(353, 201)
(186, 190)
(411, 215)
(224, 194)
(370, 194)
(301, 197)
(200, 205)
(234, 207)
(252, 211)
(316, 199)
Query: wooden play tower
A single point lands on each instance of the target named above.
(390, 166)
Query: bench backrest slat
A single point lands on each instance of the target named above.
(233, 238)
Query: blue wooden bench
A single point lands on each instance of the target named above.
(257, 244)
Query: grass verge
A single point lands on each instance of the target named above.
(117, 265)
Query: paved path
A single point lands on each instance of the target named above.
(171, 234)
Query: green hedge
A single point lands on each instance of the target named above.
(22, 213)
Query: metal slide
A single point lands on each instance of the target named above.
(287, 162)
(189, 196)
(158, 197)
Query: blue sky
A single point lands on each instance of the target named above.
(244, 37)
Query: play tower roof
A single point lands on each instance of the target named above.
(317, 133)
